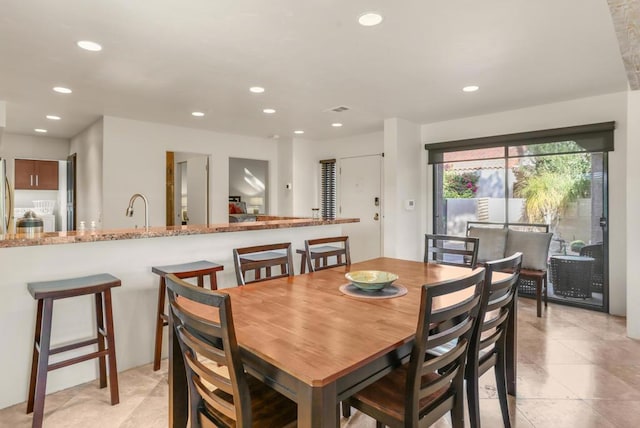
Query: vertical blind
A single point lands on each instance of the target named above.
(328, 188)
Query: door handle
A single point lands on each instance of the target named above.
(31, 180)
(376, 217)
(36, 180)
(603, 222)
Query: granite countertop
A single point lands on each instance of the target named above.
(262, 223)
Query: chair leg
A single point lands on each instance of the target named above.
(539, 297)
(35, 357)
(457, 413)
(346, 410)
(160, 323)
(101, 340)
(111, 343)
(379, 424)
(545, 286)
(473, 397)
(43, 364)
(501, 385)
(303, 263)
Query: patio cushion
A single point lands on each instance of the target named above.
(492, 242)
(533, 245)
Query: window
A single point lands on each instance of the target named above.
(328, 188)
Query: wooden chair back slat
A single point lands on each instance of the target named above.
(463, 250)
(218, 402)
(209, 352)
(261, 257)
(320, 260)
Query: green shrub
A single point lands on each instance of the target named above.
(576, 246)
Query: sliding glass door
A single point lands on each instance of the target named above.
(556, 183)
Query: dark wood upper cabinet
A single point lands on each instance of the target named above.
(36, 174)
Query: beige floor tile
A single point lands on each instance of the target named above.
(630, 374)
(535, 382)
(592, 382)
(623, 414)
(543, 352)
(561, 414)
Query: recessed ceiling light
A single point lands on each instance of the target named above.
(53, 117)
(197, 114)
(40, 130)
(336, 125)
(256, 89)
(89, 46)
(369, 19)
(471, 88)
(299, 131)
(62, 90)
(269, 111)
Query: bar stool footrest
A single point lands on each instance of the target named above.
(78, 359)
(76, 345)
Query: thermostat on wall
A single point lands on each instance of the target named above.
(409, 204)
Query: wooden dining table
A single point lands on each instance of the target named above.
(309, 341)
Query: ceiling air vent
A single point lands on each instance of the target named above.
(338, 109)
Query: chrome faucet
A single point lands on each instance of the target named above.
(129, 212)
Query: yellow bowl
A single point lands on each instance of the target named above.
(371, 280)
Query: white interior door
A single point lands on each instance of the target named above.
(360, 195)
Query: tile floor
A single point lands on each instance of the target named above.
(576, 368)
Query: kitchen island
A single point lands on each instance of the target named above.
(128, 254)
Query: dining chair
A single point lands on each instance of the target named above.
(223, 395)
(263, 257)
(423, 390)
(317, 255)
(489, 341)
(451, 250)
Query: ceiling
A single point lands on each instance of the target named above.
(163, 59)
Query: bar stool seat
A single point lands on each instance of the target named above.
(199, 270)
(45, 293)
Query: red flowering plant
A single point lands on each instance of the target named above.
(459, 185)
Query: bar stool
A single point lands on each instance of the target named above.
(198, 270)
(45, 293)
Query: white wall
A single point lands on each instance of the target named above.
(306, 167)
(633, 208)
(3, 120)
(285, 176)
(33, 147)
(88, 146)
(402, 182)
(135, 157)
(576, 112)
